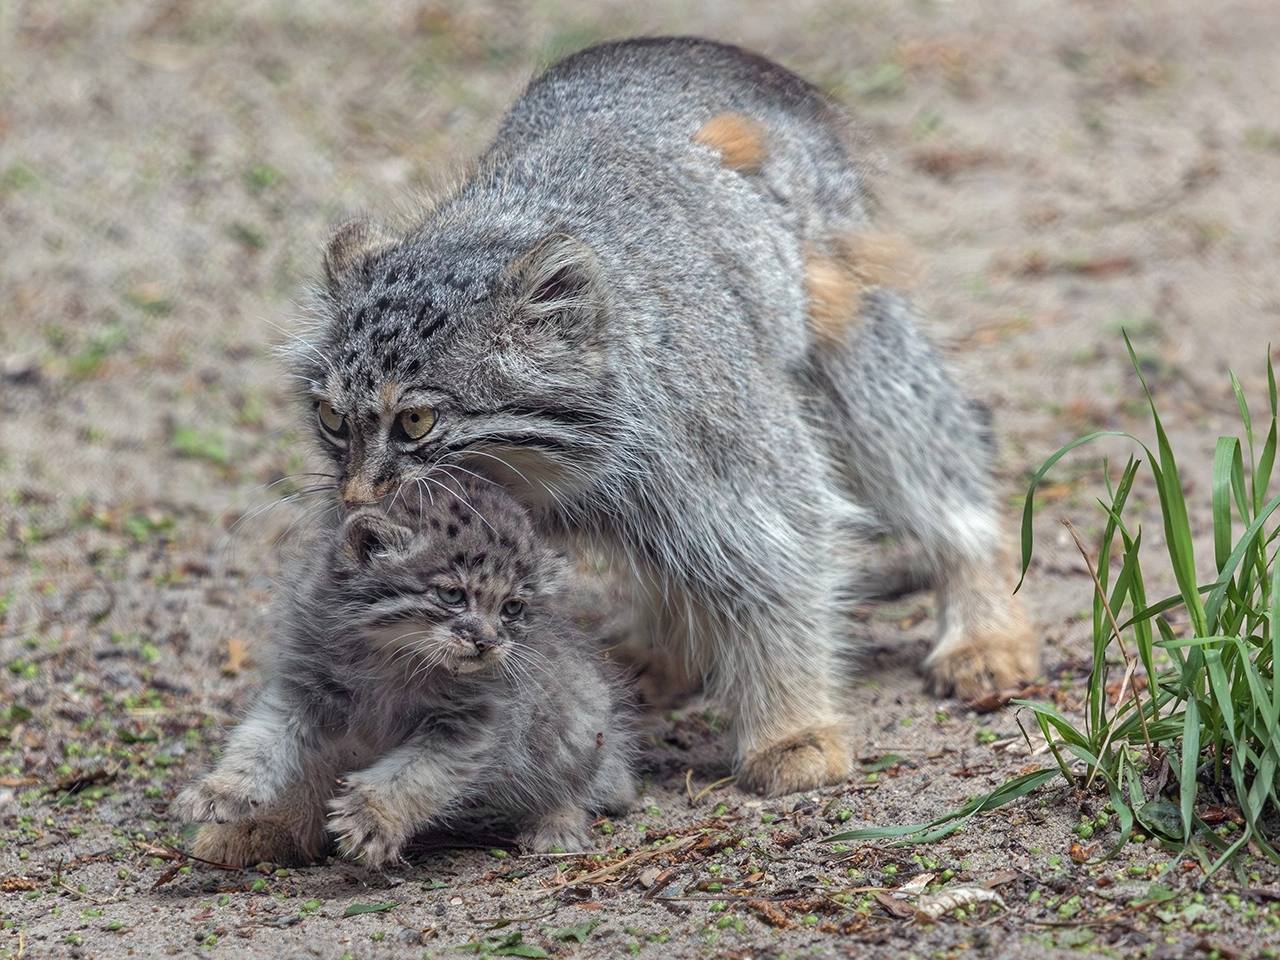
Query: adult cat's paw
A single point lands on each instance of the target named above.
(218, 798)
(808, 758)
(1000, 653)
(561, 831)
(366, 830)
(257, 841)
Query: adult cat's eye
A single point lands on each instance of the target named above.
(451, 596)
(512, 609)
(416, 423)
(333, 423)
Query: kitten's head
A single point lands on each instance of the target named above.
(458, 344)
(451, 582)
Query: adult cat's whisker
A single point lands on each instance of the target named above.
(312, 513)
(464, 502)
(314, 350)
(471, 473)
(470, 451)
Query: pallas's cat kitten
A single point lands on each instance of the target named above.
(420, 672)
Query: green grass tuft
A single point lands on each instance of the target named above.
(1204, 731)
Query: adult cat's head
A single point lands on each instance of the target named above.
(441, 580)
(460, 347)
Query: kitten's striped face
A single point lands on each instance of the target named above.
(447, 583)
(425, 372)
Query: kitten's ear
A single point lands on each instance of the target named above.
(351, 246)
(559, 282)
(368, 535)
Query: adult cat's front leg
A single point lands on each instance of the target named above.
(766, 639)
(264, 755)
(781, 682)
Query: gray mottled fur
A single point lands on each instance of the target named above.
(613, 323)
(429, 711)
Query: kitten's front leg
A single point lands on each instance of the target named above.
(264, 755)
(384, 805)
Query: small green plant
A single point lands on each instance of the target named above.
(1207, 721)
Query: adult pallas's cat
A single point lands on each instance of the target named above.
(654, 311)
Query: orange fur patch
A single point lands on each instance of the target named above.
(739, 139)
(834, 296)
(836, 281)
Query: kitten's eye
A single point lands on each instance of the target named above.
(451, 596)
(333, 423)
(512, 609)
(416, 423)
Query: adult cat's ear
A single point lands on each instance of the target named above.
(559, 283)
(350, 248)
(370, 534)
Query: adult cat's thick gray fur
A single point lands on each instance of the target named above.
(626, 314)
(400, 666)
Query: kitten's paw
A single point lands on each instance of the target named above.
(218, 798)
(256, 841)
(809, 758)
(365, 829)
(561, 831)
(1000, 657)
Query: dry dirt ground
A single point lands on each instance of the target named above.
(168, 171)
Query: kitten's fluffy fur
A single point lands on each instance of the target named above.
(422, 660)
(653, 311)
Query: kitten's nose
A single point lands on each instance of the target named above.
(482, 636)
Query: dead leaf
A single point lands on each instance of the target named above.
(939, 904)
(770, 914)
(236, 657)
(658, 882)
(916, 885)
(945, 162)
(164, 853)
(895, 907)
(1000, 878)
(995, 701)
(1102, 266)
(1215, 814)
(77, 782)
(165, 877)
(1079, 853)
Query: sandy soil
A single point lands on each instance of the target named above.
(168, 172)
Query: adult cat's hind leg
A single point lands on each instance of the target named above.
(918, 453)
(771, 650)
(563, 830)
